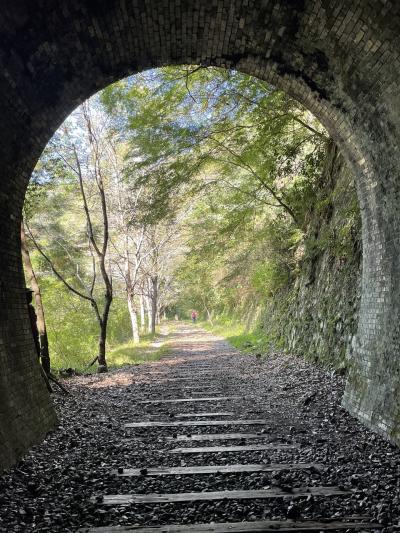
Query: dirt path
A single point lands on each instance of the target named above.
(128, 453)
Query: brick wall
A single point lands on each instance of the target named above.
(340, 59)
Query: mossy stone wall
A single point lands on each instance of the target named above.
(317, 317)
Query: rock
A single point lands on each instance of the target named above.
(293, 511)
(308, 399)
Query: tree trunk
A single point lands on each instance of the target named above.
(130, 294)
(134, 320)
(103, 322)
(209, 314)
(154, 297)
(142, 317)
(33, 283)
(103, 332)
(149, 314)
(101, 250)
(149, 317)
(102, 347)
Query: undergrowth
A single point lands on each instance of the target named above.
(135, 354)
(150, 348)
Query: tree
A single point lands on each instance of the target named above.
(246, 156)
(197, 128)
(33, 282)
(78, 155)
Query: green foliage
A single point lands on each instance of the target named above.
(135, 354)
(236, 161)
(191, 129)
(248, 160)
(341, 237)
(72, 328)
(269, 278)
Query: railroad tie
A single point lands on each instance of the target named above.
(215, 469)
(190, 400)
(187, 423)
(263, 526)
(218, 436)
(255, 494)
(244, 448)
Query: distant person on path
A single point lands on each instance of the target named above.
(194, 316)
(33, 320)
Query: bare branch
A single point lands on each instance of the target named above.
(53, 268)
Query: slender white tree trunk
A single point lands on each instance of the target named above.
(134, 319)
(154, 300)
(130, 293)
(149, 317)
(142, 317)
(149, 314)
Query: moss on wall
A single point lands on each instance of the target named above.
(317, 316)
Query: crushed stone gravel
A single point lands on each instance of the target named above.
(49, 490)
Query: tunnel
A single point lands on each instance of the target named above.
(339, 59)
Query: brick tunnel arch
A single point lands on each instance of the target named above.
(340, 59)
